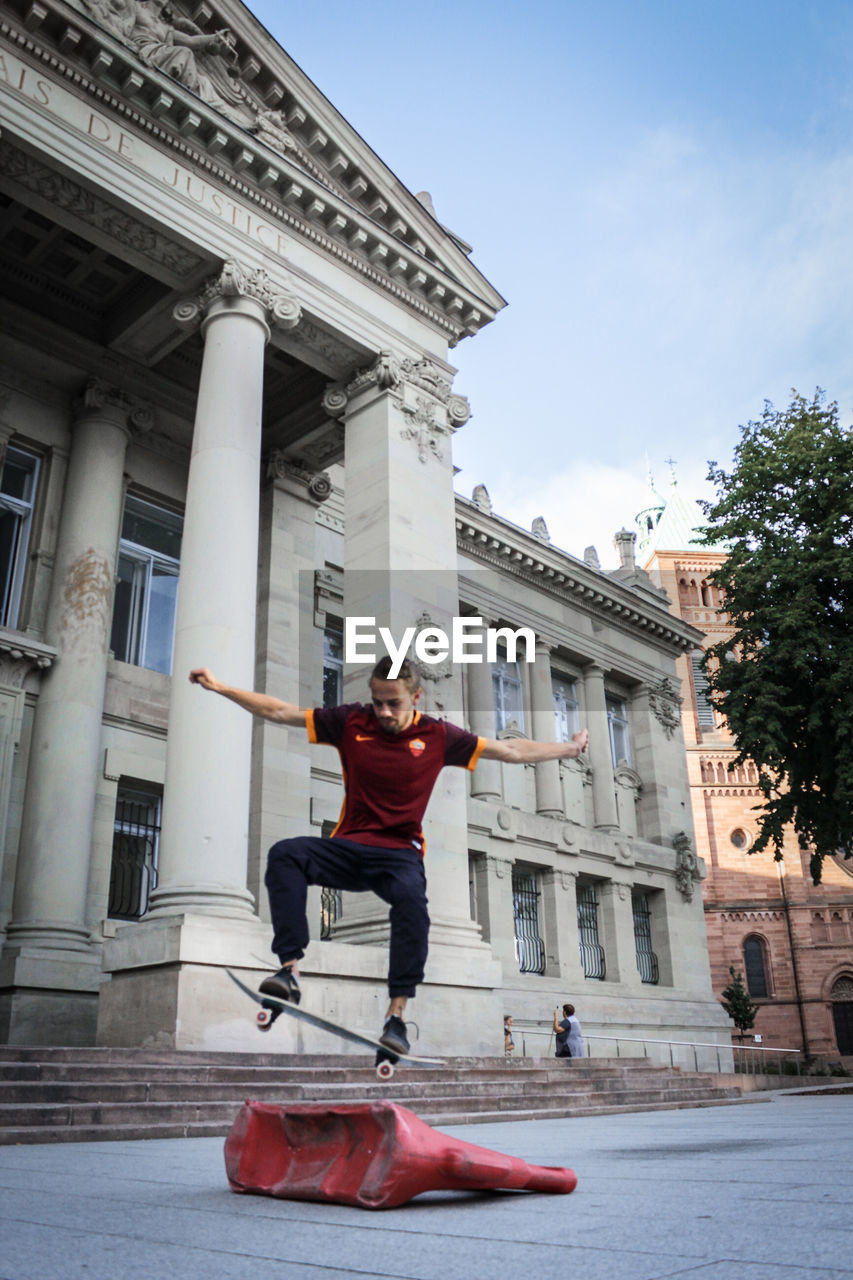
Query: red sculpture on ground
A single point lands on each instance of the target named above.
(374, 1155)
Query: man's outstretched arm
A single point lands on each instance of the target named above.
(260, 704)
(524, 751)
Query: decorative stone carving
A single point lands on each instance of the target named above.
(201, 61)
(428, 376)
(335, 401)
(504, 826)
(665, 703)
(271, 128)
(385, 374)
(539, 529)
(317, 483)
(686, 865)
(499, 866)
(480, 497)
(66, 194)
(624, 852)
(236, 281)
(590, 557)
(99, 394)
(424, 429)
(19, 656)
(431, 671)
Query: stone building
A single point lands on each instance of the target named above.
(225, 369)
(792, 940)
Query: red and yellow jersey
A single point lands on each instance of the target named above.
(388, 778)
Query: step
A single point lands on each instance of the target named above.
(93, 1094)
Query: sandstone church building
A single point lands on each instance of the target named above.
(227, 407)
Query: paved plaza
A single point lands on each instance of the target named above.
(756, 1191)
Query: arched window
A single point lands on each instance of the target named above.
(755, 967)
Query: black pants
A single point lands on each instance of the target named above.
(395, 875)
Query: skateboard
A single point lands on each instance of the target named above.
(386, 1060)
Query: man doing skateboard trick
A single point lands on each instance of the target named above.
(391, 755)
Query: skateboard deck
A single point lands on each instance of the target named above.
(386, 1059)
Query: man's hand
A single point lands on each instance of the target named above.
(581, 740)
(202, 676)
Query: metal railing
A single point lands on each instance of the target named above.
(746, 1059)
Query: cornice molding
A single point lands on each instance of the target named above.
(76, 49)
(503, 546)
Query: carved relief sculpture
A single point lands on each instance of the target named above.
(686, 865)
(202, 61)
(665, 702)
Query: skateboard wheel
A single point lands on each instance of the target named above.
(385, 1070)
(264, 1018)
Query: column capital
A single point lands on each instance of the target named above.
(298, 479)
(246, 290)
(390, 372)
(101, 399)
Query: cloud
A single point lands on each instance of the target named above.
(588, 503)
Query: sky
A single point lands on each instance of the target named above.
(661, 189)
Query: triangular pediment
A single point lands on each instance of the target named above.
(245, 103)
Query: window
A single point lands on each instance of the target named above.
(529, 947)
(333, 663)
(17, 491)
(755, 967)
(506, 685)
(146, 592)
(136, 840)
(617, 722)
(592, 952)
(702, 693)
(565, 707)
(647, 961)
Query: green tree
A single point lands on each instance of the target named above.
(737, 1003)
(784, 680)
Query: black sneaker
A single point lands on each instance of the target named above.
(283, 985)
(394, 1035)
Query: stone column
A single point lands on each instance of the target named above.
(560, 916)
(603, 786)
(549, 790)
(48, 937)
(660, 760)
(493, 879)
(286, 648)
(486, 779)
(166, 985)
(204, 841)
(617, 931)
(399, 416)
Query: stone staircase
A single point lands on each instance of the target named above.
(86, 1095)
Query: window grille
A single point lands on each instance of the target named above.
(617, 723)
(331, 910)
(333, 663)
(755, 967)
(529, 947)
(143, 630)
(566, 714)
(647, 961)
(17, 492)
(506, 685)
(702, 693)
(592, 952)
(331, 900)
(136, 840)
